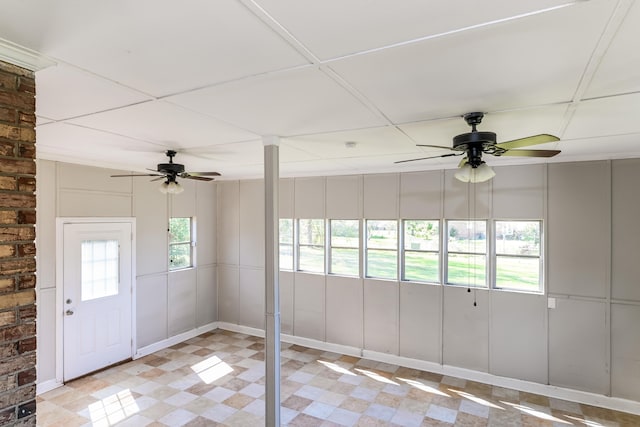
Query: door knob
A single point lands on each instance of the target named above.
(69, 312)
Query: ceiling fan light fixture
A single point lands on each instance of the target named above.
(481, 173)
(171, 187)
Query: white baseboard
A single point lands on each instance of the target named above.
(587, 398)
(176, 339)
(46, 386)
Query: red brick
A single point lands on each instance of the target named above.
(7, 251)
(14, 234)
(27, 150)
(26, 250)
(18, 166)
(7, 284)
(8, 81)
(7, 182)
(8, 350)
(7, 382)
(27, 282)
(27, 314)
(7, 415)
(26, 217)
(14, 69)
(17, 299)
(27, 345)
(27, 119)
(16, 332)
(27, 85)
(26, 184)
(7, 115)
(26, 377)
(7, 148)
(21, 101)
(17, 266)
(22, 394)
(12, 200)
(7, 318)
(8, 217)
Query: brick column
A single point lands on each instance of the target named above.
(17, 247)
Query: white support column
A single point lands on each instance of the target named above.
(272, 281)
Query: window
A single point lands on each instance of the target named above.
(421, 250)
(311, 245)
(180, 243)
(518, 261)
(345, 247)
(286, 244)
(100, 272)
(382, 249)
(467, 253)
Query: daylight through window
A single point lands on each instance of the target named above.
(180, 243)
(421, 251)
(345, 247)
(467, 253)
(518, 261)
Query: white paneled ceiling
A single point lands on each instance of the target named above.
(211, 78)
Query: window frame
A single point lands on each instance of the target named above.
(191, 243)
(366, 250)
(292, 244)
(540, 257)
(298, 245)
(331, 247)
(404, 250)
(487, 254)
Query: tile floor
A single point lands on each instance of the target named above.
(218, 379)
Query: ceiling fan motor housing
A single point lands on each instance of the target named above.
(474, 144)
(171, 168)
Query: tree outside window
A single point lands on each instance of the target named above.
(180, 243)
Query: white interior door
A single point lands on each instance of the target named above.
(97, 296)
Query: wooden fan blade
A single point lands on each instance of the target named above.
(203, 173)
(199, 178)
(141, 174)
(432, 157)
(531, 153)
(528, 141)
(158, 179)
(436, 146)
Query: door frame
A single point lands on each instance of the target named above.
(60, 223)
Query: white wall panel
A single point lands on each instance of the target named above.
(207, 289)
(46, 333)
(464, 200)
(183, 205)
(625, 351)
(518, 192)
(150, 209)
(252, 293)
(344, 197)
(252, 223)
(285, 193)
(151, 309)
(88, 204)
(309, 198)
(228, 293)
(577, 345)
(578, 228)
(465, 340)
(46, 224)
(625, 229)
(380, 196)
(518, 336)
(344, 311)
(286, 302)
(182, 297)
(421, 195)
(228, 222)
(381, 300)
(206, 223)
(420, 315)
(78, 177)
(309, 306)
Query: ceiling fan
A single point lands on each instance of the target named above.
(170, 172)
(472, 144)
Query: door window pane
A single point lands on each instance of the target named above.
(99, 275)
